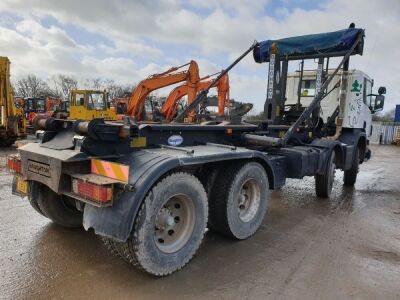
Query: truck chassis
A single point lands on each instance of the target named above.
(151, 190)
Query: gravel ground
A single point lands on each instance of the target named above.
(307, 248)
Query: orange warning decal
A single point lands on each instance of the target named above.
(110, 169)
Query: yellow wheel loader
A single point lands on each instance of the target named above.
(12, 121)
(90, 104)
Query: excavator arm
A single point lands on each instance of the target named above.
(157, 81)
(223, 94)
(170, 107)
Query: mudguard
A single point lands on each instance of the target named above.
(330, 145)
(354, 137)
(146, 168)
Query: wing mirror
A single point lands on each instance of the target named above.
(377, 102)
(382, 90)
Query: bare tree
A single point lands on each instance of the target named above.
(93, 84)
(387, 116)
(32, 86)
(61, 85)
(115, 90)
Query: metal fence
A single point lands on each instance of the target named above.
(384, 132)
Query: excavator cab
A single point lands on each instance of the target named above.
(90, 104)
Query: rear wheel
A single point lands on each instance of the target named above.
(170, 225)
(239, 199)
(33, 196)
(115, 248)
(60, 209)
(324, 182)
(6, 141)
(350, 176)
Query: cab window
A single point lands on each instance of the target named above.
(79, 99)
(97, 101)
(308, 88)
(367, 91)
(30, 105)
(40, 105)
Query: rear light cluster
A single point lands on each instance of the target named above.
(101, 194)
(14, 164)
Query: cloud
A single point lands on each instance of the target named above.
(133, 48)
(48, 36)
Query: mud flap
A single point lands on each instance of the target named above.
(116, 221)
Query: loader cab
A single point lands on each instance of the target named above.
(37, 105)
(90, 104)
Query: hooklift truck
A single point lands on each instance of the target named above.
(151, 189)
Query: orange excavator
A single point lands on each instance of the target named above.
(33, 106)
(53, 104)
(170, 107)
(136, 106)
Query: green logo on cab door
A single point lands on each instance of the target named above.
(356, 87)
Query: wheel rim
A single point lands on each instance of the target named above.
(249, 200)
(174, 223)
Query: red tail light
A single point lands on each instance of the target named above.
(14, 164)
(91, 191)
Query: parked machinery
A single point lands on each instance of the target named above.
(12, 122)
(120, 104)
(170, 106)
(89, 105)
(136, 106)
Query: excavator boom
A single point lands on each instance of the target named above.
(170, 107)
(157, 81)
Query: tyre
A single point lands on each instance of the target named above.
(33, 196)
(60, 209)
(118, 249)
(208, 178)
(350, 176)
(109, 243)
(239, 200)
(324, 182)
(7, 142)
(169, 226)
(115, 248)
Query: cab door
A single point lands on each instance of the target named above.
(366, 114)
(357, 113)
(77, 106)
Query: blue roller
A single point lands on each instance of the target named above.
(329, 43)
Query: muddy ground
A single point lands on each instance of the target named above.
(307, 248)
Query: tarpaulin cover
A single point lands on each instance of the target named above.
(309, 45)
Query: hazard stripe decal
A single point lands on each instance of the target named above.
(110, 169)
